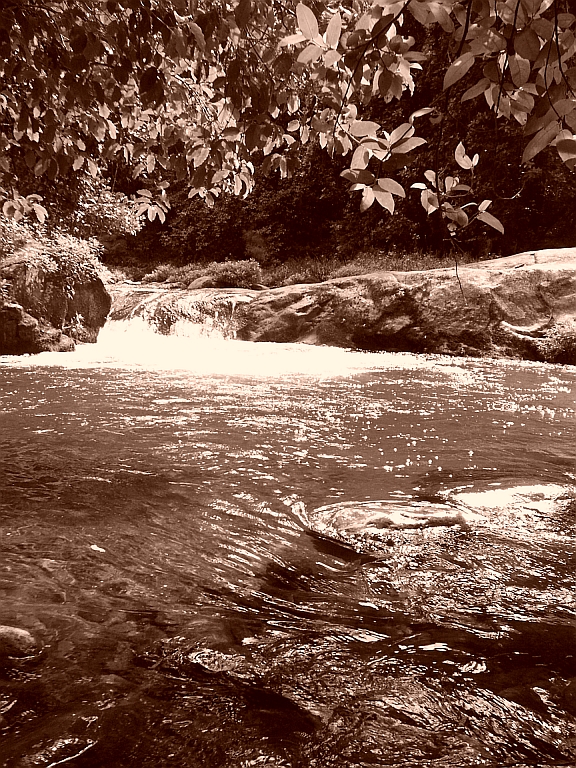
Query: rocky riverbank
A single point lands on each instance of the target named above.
(521, 306)
(47, 308)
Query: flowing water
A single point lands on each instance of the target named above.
(265, 555)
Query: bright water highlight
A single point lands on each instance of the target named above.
(255, 555)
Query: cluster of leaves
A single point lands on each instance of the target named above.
(72, 259)
(17, 206)
(448, 195)
(190, 91)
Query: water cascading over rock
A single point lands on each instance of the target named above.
(521, 307)
(180, 312)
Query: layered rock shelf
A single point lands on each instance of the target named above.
(518, 306)
(521, 306)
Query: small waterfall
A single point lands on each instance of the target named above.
(196, 331)
(212, 312)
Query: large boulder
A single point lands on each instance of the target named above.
(46, 309)
(521, 306)
(21, 334)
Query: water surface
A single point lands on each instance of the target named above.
(184, 528)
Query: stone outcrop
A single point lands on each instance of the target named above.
(43, 310)
(521, 306)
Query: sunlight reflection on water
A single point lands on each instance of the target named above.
(164, 512)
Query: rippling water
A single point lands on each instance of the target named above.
(247, 555)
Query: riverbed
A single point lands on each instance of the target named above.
(234, 554)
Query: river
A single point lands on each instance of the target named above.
(236, 555)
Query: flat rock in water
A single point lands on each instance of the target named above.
(16, 642)
(374, 524)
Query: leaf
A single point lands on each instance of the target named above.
(349, 174)
(457, 215)
(78, 162)
(333, 31)
(78, 39)
(389, 185)
(307, 21)
(492, 221)
(9, 208)
(364, 128)
(458, 69)
(199, 156)
(145, 193)
(566, 149)
(476, 90)
(420, 113)
(564, 107)
(242, 13)
(148, 79)
(359, 176)
(41, 212)
(408, 145)
(331, 57)
(462, 158)
(403, 131)
(440, 14)
(484, 205)
(198, 35)
(360, 158)
(310, 54)
(540, 141)
(291, 40)
(527, 44)
(368, 198)
(92, 168)
(519, 70)
(384, 198)
(429, 201)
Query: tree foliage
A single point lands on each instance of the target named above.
(191, 90)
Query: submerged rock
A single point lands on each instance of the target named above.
(16, 642)
(378, 525)
(45, 309)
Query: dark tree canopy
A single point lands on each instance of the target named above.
(192, 90)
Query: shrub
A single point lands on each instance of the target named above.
(73, 258)
(158, 275)
(225, 274)
(237, 274)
